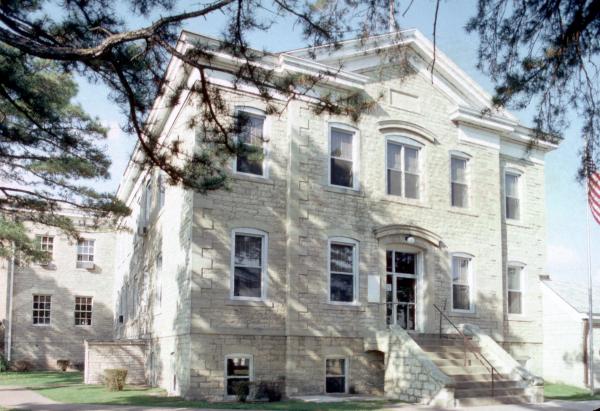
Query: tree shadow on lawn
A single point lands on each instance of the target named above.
(34, 379)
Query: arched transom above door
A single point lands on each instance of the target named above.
(408, 231)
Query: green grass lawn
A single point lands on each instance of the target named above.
(567, 392)
(69, 388)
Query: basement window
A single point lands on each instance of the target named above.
(336, 375)
(238, 370)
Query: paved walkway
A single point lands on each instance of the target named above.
(19, 398)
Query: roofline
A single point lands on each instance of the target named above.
(583, 314)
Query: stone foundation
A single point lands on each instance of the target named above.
(128, 354)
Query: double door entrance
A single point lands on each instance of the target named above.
(401, 289)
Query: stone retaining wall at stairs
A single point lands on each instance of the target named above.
(506, 364)
(409, 373)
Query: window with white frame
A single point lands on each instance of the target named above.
(462, 287)
(238, 369)
(83, 310)
(46, 244)
(160, 182)
(403, 169)
(343, 267)
(251, 158)
(336, 375)
(41, 309)
(514, 287)
(249, 264)
(459, 185)
(85, 253)
(342, 158)
(158, 282)
(512, 195)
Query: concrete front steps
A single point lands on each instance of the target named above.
(473, 381)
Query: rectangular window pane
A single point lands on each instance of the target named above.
(247, 282)
(335, 375)
(405, 316)
(412, 186)
(514, 278)
(341, 144)
(335, 367)
(251, 159)
(83, 310)
(342, 287)
(461, 284)
(514, 302)
(394, 182)
(248, 250)
(341, 258)
(394, 156)
(389, 255)
(335, 385)
(460, 270)
(341, 172)
(512, 208)
(459, 195)
(459, 170)
(405, 263)
(460, 297)
(405, 290)
(411, 160)
(512, 185)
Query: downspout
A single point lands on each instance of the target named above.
(10, 303)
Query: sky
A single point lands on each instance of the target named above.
(565, 197)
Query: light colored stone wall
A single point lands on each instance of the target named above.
(102, 355)
(43, 345)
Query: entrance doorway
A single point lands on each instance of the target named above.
(401, 289)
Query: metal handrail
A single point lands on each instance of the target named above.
(467, 343)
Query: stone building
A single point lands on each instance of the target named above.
(49, 310)
(327, 263)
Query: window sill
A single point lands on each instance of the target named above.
(344, 190)
(405, 201)
(459, 313)
(462, 211)
(331, 305)
(516, 223)
(252, 179)
(250, 303)
(519, 318)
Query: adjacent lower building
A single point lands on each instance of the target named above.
(49, 310)
(335, 253)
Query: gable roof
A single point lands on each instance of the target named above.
(575, 295)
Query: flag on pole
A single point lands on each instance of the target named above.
(594, 194)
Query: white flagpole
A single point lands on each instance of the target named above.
(591, 310)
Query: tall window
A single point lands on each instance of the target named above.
(403, 172)
(515, 289)
(251, 138)
(342, 162)
(336, 374)
(158, 283)
(46, 244)
(342, 270)
(83, 310)
(511, 192)
(148, 202)
(459, 184)
(41, 309)
(249, 264)
(461, 283)
(160, 181)
(85, 253)
(238, 369)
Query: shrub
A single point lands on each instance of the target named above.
(21, 366)
(114, 378)
(63, 364)
(241, 390)
(3, 363)
(270, 390)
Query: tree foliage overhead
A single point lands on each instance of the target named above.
(545, 52)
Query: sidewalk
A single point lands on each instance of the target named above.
(19, 398)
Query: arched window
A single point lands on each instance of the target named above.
(403, 168)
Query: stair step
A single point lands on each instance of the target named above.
(448, 355)
(478, 378)
(461, 370)
(487, 392)
(474, 385)
(448, 349)
(456, 362)
(477, 401)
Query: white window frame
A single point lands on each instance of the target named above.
(264, 268)
(519, 175)
(91, 256)
(255, 112)
(521, 266)
(355, 269)
(355, 155)
(411, 143)
(91, 311)
(467, 158)
(346, 372)
(38, 309)
(227, 377)
(48, 244)
(471, 277)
